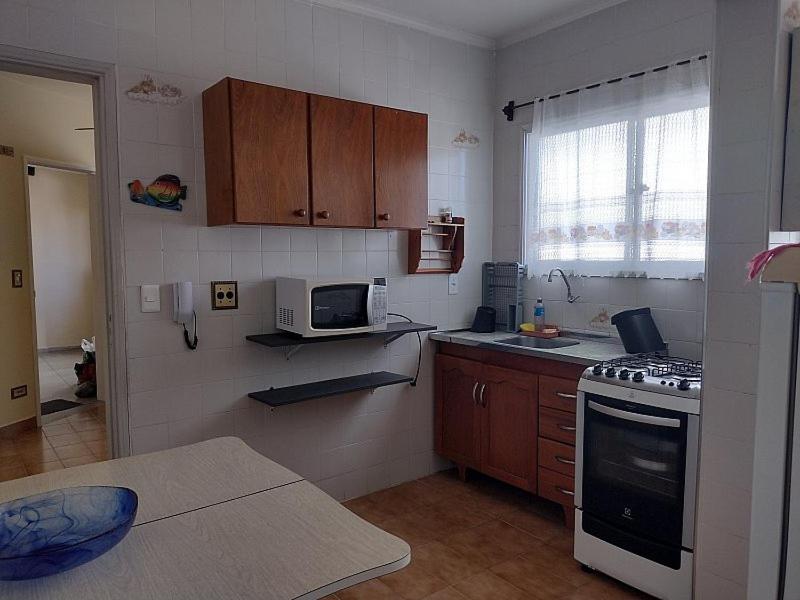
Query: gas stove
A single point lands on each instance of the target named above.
(653, 372)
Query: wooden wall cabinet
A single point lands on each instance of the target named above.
(511, 417)
(256, 154)
(401, 169)
(280, 157)
(485, 419)
(341, 163)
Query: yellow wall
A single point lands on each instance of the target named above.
(38, 118)
(62, 257)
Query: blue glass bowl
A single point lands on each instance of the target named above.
(55, 531)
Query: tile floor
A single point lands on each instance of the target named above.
(75, 440)
(480, 540)
(57, 374)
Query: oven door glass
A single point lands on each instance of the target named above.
(634, 468)
(339, 306)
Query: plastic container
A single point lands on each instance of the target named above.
(638, 331)
(538, 315)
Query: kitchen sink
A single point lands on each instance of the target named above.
(534, 342)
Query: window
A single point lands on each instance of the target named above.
(619, 187)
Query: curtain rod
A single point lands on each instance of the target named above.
(508, 109)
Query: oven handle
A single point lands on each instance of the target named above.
(631, 416)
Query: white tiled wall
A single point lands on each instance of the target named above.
(349, 445)
(677, 306)
(634, 35)
(740, 187)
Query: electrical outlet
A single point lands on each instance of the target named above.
(19, 392)
(452, 284)
(224, 295)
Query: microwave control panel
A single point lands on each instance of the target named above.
(379, 301)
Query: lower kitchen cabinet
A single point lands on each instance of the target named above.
(486, 419)
(508, 426)
(514, 422)
(457, 417)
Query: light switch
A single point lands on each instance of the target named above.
(452, 284)
(151, 299)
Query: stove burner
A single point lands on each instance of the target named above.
(655, 365)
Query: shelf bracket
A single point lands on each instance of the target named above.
(292, 351)
(391, 338)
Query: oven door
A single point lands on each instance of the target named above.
(633, 476)
(341, 307)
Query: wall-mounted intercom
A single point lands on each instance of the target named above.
(183, 310)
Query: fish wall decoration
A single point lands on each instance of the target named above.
(166, 191)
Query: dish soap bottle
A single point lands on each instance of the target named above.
(538, 315)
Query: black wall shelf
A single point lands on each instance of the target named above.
(292, 394)
(293, 342)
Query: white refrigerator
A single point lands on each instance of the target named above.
(774, 558)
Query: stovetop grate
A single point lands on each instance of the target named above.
(658, 365)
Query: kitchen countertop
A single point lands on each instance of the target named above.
(587, 352)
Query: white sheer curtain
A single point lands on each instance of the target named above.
(616, 177)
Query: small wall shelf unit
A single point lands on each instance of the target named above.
(275, 397)
(437, 249)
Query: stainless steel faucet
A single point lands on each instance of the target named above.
(570, 297)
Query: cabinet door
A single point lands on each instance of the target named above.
(509, 433)
(401, 168)
(457, 418)
(342, 189)
(269, 136)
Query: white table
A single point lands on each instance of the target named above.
(216, 520)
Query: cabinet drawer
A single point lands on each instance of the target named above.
(557, 425)
(557, 457)
(556, 487)
(557, 392)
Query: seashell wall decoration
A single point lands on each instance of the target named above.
(147, 90)
(466, 140)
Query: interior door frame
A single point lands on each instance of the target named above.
(34, 161)
(103, 79)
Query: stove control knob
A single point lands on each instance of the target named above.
(597, 370)
(671, 383)
(663, 382)
(683, 384)
(611, 372)
(624, 374)
(638, 377)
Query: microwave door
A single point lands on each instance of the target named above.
(341, 307)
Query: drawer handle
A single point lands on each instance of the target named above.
(300, 212)
(565, 461)
(385, 216)
(483, 401)
(567, 396)
(569, 428)
(564, 491)
(324, 214)
(474, 389)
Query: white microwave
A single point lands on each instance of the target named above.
(320, 307)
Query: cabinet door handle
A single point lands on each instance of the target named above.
(567, 396)
(324, 214)
(385, 216)
(474, 389)
(300, 212)
(565, 491)
(565, 427)
(483, 400)
(565, 461)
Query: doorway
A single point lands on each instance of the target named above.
(59, 221)
(58, 253)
